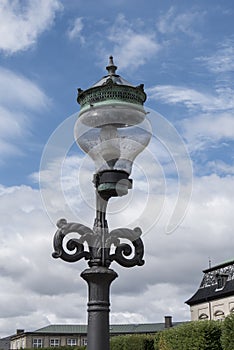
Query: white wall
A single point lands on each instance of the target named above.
(217, 309)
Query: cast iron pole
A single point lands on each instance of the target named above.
(99, 280)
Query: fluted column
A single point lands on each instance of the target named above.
(99, 279)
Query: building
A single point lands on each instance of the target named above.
(214, 299)
(61, 335)
(5, 343)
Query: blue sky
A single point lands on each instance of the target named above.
(183, 53)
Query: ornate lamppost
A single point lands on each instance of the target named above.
(112, 128)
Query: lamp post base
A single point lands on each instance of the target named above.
(99, 279)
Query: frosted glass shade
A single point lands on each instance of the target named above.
(113, 135)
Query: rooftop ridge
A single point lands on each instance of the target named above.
(85, 324)
(216, 267)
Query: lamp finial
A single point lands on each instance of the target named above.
(111, 68)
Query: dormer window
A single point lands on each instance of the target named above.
(221, 281)
(220, 284)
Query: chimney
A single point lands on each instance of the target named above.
(19, 331)
(168, 321)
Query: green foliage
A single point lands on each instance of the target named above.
(132, 342)
(117, 342)
(227, 338)
(149, 342)
(198, 335)
(162, 344)
(156, 340)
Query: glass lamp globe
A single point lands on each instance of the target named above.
(112, 126)
(113, 136)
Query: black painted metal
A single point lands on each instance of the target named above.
(99, 242)
(103, 248)
(99, 246)
(112, 183)
(99, 280)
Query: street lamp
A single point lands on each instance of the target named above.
(112, 128)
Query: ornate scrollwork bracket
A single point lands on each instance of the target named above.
(100, 246)
(124, 250)
(126, 254)
(76, 245)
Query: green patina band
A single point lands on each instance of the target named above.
(111, 91)
(120, 189)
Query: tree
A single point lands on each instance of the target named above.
(227, 338)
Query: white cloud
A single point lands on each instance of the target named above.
(221, 61)
(9, 125)
(68, 176)
(207, 129)
(193, 99)
(36, 289)
(220, 167)
(133, 46)
(20, 25)
(178, 258)
(27, 233)
(210, 112)
(76, 30)
(17, 91)
(12, 127)
(171, 22)
(19, 97)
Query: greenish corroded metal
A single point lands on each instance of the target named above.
(112, 89)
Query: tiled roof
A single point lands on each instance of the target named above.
(63, 328)
(217, 282)
(210, 292)
(136, 328)
(114, 329)
(222, 265)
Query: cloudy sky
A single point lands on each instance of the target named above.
(183, 184)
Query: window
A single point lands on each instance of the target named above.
(54, 342)
(71, 341)
(203, 317)
(37, 343)
(219, 315)
(221, 281)
(84, 341)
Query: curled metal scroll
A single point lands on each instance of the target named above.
(77, 245)
(123, 250)
(99, 243)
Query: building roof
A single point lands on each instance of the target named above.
(81, 329)
(5, 343)
(210, 289)
(220, 266)
(114, 329)
(137, 328)
(63, 328)
(211, 293)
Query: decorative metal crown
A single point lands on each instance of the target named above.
(111, 87)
